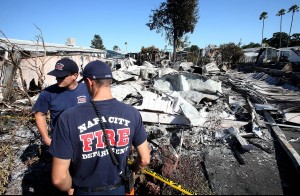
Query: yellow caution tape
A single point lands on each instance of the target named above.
(167, 181)
(145, 170)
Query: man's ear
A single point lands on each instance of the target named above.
(89, 81)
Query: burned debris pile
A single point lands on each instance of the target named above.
(210, 133)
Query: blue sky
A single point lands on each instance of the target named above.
(120, 21)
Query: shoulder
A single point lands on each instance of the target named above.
(53, 86)
(126, 107)
(75, 110)
(53, 89)
(49, 91)
(119, 103)
(81, 86)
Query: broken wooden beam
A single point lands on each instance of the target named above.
(234, 132)
(292, 153)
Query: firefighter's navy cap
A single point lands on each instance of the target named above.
(97, 70)
(63, 68)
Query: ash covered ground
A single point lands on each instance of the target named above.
(190, 156)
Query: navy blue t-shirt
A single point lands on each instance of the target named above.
(78, 136)
(57, 99)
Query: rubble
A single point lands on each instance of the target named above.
(211, 68)
(212, 134)
(187, 81)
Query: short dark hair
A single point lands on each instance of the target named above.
(103, 82)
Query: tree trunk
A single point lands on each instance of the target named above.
(23, 85)
(280, 31)
(9, 72)
(290, 30)
(174, 50)
(262, 33)
(175, 41)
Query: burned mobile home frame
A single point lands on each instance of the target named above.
(220, 132)
(36, 58)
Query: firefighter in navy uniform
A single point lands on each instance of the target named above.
(79, 139)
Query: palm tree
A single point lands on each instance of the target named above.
(280, 13)
(263, 16)
(293, 9)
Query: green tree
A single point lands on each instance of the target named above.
(251, 45)
(97, 42)
(149, 53)
(176, 18)
(193, 55)
(116, 47)
(293, 9)
(231, 53)
(150, 49)
(280, 13)
(295, 39)
(183, 43)
(275, 40)
(263, 16)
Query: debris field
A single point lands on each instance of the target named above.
(219, 133)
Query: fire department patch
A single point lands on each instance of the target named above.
(59, 66)
(81, 99)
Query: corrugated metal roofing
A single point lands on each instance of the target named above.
(27, 45)
(111, 54)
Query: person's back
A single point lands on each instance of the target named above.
(59, 99)
(66, 93)
(79, 137)
(90, 156)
